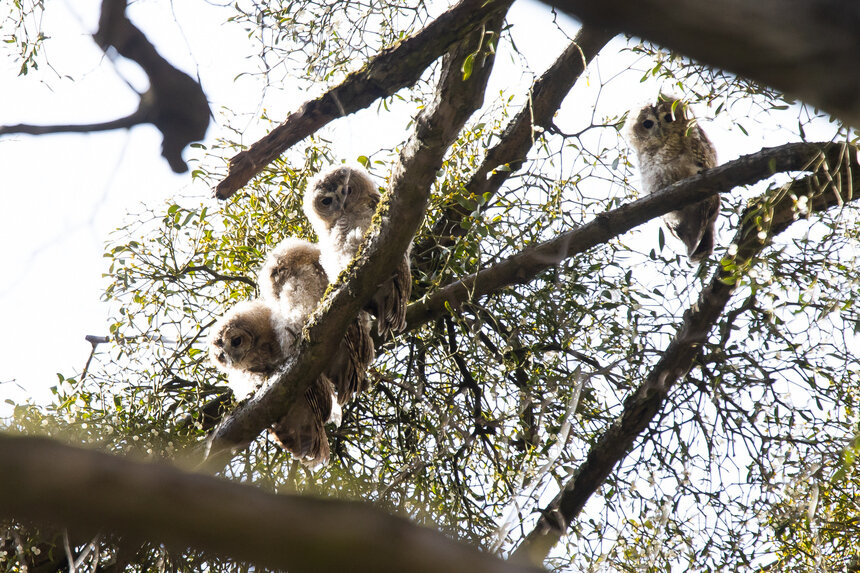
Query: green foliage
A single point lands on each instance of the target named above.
(21, 29)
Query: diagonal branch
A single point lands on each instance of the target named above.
(398, 218)
(524, 266)
(546, 96)
(807, 48)
(394, 68)
(771, 214)
(89, 491)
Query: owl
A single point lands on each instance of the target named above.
(671, 146)
(293, 279)
(250, 343)
(340, 204)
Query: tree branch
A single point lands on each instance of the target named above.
(175, 103)
(806, 48)
(518, 137)
(89, 491)
(522, 267)
(398, 218)
(772, 213)
(394, 68)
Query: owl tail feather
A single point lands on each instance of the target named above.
(705, 246)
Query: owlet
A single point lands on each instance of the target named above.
(340, 204)
(671, 146)
(294, 281)
(250, 343)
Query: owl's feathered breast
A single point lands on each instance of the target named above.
(679, 155)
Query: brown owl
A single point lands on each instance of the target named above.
(249, 344)
(340, 204)
(671, 146)
(293, 279)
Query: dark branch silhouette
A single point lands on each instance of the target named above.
(808, 49)
(175, 103)
(89, 491)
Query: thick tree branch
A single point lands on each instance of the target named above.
(546, 96)
(806, 48)
(525, 265)
(89, 491)
(398, 218)
(392, 69)
(763, 219)
(175, 103)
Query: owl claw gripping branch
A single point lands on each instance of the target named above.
(671, 146)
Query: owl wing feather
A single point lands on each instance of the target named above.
(390, 300)
(348, 371)
(301, 431)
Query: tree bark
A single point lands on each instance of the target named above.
(394, 68)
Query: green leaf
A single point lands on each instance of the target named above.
(468, 63)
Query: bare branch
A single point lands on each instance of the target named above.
(216, 276)
(806, 48)
(435, 129)
(90, 491)
(394, 68)
(518, 137)
(525, 265)
(763, 219)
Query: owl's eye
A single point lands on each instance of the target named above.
(236, 341)
(348, 189)
(668, 118)
(326, 201)
(647, 124)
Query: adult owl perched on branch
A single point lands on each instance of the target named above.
(671, 146)
(250, 343)
(293, 279)
(340, 204)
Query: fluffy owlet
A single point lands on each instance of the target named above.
(340, 204)
(294, 280)
(671, 146)
(249, 343)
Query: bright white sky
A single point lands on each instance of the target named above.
(63, 194)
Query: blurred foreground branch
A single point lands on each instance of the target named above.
(805, 48)
(175, 102)
(89, 491)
